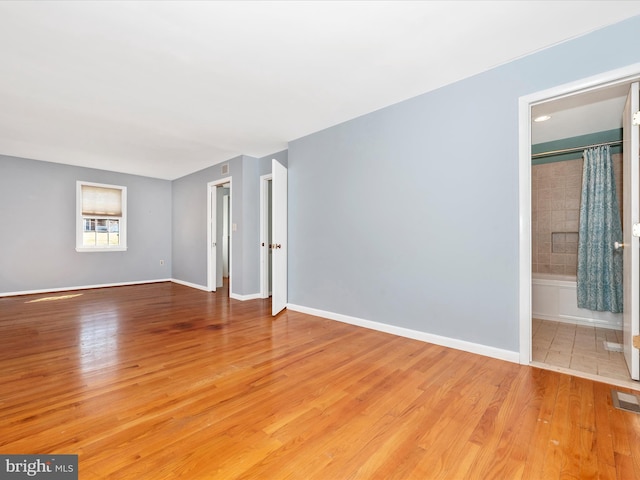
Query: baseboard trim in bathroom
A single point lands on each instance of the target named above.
(613, 347)
(625, 401)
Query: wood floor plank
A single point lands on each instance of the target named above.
(502, 437)
(546, 387)
(588, 454)
(457, 420)
(633, 432)
(161, 381)
(555, 456)
(604, 440)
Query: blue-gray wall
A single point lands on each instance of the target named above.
(190, 222)
(38, 225)
(265, 162)
(408, 216)
(189, 218)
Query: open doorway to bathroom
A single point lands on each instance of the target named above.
(564, 337)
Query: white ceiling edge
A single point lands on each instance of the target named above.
(595, 111)
(164, 89)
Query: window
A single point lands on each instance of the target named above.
(101, 217)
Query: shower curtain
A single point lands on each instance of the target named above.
(599, 281)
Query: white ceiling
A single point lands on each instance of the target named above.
(166, 88)
(590, 112)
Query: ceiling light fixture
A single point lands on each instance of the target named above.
(542, 118)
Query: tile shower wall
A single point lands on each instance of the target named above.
(555, 212)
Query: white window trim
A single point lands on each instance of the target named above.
(80, 224)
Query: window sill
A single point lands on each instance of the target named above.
(98, 249)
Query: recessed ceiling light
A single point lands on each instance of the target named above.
(542, 118)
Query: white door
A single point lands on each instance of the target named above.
(225, 236)
(279, 236)
(631, 211)
(212, 254)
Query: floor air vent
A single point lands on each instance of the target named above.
(626, 401)
(613, 347)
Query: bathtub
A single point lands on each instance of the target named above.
(553, 297)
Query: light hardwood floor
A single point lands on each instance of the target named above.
(162, 381)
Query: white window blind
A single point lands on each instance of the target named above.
(101, 201)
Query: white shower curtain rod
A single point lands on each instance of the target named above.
(574, 149)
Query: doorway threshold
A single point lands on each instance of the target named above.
(631, 384)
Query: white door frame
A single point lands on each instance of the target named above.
(630, 253)
(613, 77)
(264, 235)
(211, 220)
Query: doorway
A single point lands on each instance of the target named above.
(266, 236)
(572, 96)
(219, 236)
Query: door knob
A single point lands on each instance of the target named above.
(618, 245)
(277, 245)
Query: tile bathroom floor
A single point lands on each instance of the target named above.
(578, 347)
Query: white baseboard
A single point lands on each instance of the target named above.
(235, 296)
(82, 287)
(465, 346)
(587, 322)
(189, 284)
(251, 296)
